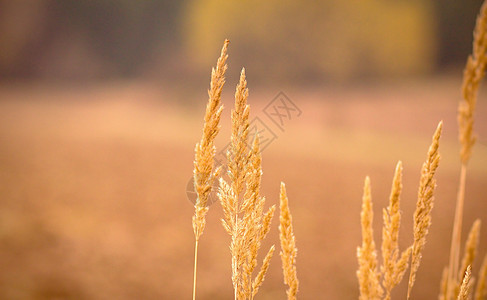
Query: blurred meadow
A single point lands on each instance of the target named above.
(102, 102)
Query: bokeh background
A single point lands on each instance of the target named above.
(101, 103)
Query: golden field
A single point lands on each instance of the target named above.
(93, 180)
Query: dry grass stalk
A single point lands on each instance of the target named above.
(288, 245)
(470, 247)
(229, 203)
(444, 284)
(424, 205)
(204, 172)
(468, 258)
(368, 275)
(237, 155)
(472, 76)
(244, 217)
(257, 222)
(481, 290)
(464, 293)
(259, 279)
(393, 266)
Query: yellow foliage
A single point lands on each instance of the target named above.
(334, 38)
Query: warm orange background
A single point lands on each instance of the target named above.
(93, 201)
(94, 163)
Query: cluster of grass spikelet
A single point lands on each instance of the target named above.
(245, 219)
(243, 207)
(247, 222)
(457, 279)
(375, 282)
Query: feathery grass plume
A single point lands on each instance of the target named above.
(244, 217)
(234, 228)
(470, 247)
(204, 172)
(257, 223)
(259, 279)
(237, 162)
(481, 290)
(472, 76)
(237, 155)
(468, 257)
(473, 73)
(464, 293)
(229, 194)
(288, 245)
(367, 274)
(424, 205)
(393, 266)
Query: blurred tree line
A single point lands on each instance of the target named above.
(85, 38)
(294, 40)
